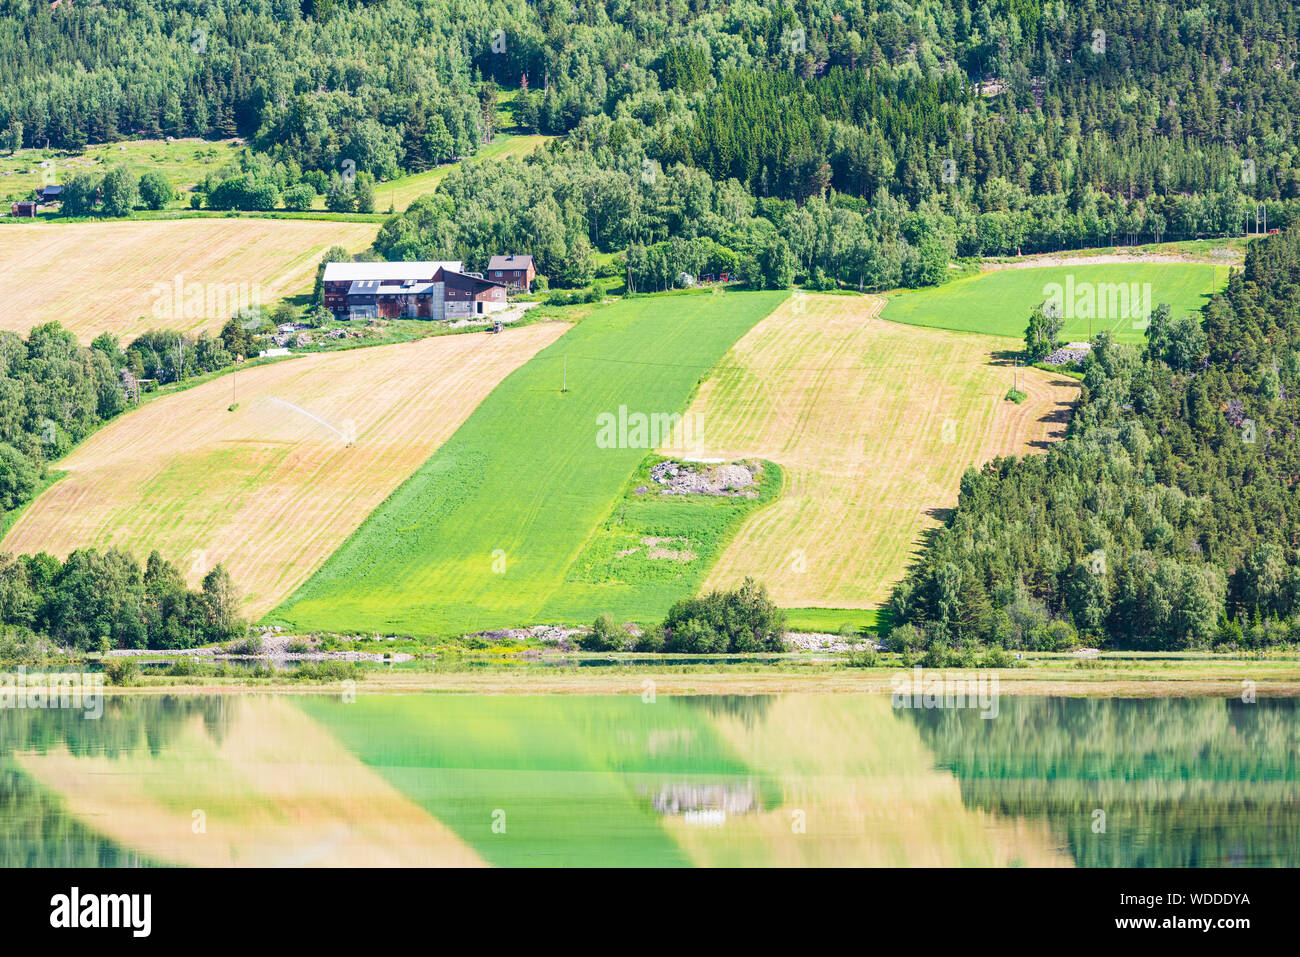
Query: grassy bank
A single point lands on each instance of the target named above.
(1120, 675)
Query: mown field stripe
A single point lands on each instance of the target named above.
(483, 534)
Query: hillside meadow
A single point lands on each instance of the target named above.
(183, 162)
(485, 533)
(269, 469)
(872, 424)
(186, 162)
(189, 274)
(998, 302)
(399, 193)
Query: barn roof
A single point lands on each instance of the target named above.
(346, 272)
(462, 280)
(509, 262)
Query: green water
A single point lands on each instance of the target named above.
(622, 781)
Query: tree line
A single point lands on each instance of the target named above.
(101, 600)
(1002, 125)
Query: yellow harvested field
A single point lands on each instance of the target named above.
(271, 489)
(873, 423)
(187, 274)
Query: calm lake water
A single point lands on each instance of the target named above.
(520, 781)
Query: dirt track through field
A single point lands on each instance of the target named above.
(272, 488)
(124, 277)
(873, 423)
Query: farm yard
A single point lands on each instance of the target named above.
(873, 424)
(998, 302)
(485, 533)
(270, 469)
(123, 277)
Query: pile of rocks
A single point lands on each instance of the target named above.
(689, 479)
(547, 634)
(1070, 352)
(816, 641)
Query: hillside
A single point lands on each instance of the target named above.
(1167, 518)
(485, 532)
(872, 423)
(867, 145)
(273, 486)
(400, 192)
(1114, 297)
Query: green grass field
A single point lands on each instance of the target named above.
(998, 303)
(654, 548)
(486, 533)
(183, 162)
(832, 620)
(400, 192)
(187, 162)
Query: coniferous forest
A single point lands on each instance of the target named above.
(862, 141)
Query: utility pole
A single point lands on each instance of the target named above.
(564, 382)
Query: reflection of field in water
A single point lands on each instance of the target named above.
(262, 785)
(858, 787)
(618, 780)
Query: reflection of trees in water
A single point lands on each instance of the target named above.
(34, 829)
(750, 709)
(1182, 782)
(126, 724)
